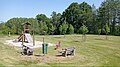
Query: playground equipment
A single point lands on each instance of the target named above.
(67, 51)
(26, 50)
(25, 36)
(58, 45)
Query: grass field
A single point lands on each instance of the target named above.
(96, 51)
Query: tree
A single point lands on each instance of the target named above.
(72, 20)
(44, 23)
(43, 28)
(78, 14)
(117, 30)
(63, 28)
(60, 29)
(93, 28)
(16, 28)
(42, 17)
(107, 30)
(83, 29)
(108, 12)
(99, 31)
(70, 29)
(51, 28)
(4, 29)
(55, 20)
(71, 15)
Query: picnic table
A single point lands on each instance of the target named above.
(67, 51)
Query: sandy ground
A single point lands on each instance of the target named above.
(19, 44)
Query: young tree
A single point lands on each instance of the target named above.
(51, 29)
(45, 28)
(60, 29)
(71, 29)
(99, 31)
(107, 30)
(83, 29)
(64, 28)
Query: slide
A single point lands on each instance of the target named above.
(29, 38)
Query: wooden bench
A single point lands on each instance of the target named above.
(67, 51)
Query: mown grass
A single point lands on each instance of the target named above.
(96, 51)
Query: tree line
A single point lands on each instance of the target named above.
(76, 19)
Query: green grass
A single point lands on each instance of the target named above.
(96, 51)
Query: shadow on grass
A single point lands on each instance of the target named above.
(99, 39)
(57, 37)
(59, 55)
(38, 55)
(75, 41)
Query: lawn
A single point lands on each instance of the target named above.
(96, 51)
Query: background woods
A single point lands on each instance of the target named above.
(102, 20)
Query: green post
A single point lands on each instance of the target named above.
(44, 48)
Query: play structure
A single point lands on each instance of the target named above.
(25, 36)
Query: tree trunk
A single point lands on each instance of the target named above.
(106, 36)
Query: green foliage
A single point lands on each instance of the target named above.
(42, 17)
(83, 29)
(63, 28)
(43, 28)
(99, 31)
(117, 30)
(15, 25)
(109, 13)
(4, 29)
(44, 23)
(107, 29)
(55, 20)
(70, 29)
(104, 20)
(60, 29)
(78, 14)
(51, 28)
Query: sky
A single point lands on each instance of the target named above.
(30, 8)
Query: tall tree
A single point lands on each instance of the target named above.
(109, 13)
(44, 23)
(55, 20)
(107, 30)
(71, 14)
(93, 28)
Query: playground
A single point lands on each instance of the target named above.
(96, 51)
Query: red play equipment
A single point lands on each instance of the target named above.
(58, 45)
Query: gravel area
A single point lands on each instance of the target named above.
(19, 44)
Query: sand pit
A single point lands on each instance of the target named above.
(38, 44)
